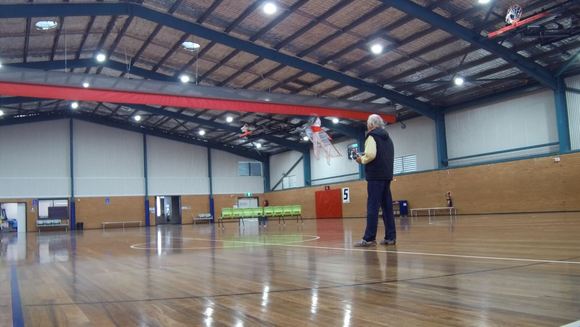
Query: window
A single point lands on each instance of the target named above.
(46, 208)
(405, 164)
(289, 182)
(249, 168)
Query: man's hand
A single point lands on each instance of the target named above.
(358, 159)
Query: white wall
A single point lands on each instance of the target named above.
(226, 178)
(574, 112)
(281, 164)
(107, 161)
(176, 168)
(34, 160)
(322, 170)
(519, 122)
(418, 138)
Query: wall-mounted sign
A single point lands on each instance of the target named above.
(345, 195)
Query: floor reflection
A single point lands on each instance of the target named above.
(12, 247)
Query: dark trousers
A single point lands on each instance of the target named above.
(379, 196)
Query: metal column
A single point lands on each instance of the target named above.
(562, 116)
(146, 180)
(442, 159)
(72, 204)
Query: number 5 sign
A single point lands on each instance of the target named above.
(345, 195)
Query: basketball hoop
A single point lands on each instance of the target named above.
(514, 14)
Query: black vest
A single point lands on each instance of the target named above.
(381, 168)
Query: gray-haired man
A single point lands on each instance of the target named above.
(378, 161)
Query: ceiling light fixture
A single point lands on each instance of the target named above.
(86, 85)
(270, 8)
(74, 105)
(305, 138)
(184, 79)
(137, 117)
(190, 46)
(258, 145)
(229, 119)
(376, 48)
(101, 57)
(459, 80)
(201, 132)
(45, 25)
(483, 2)
(335, 120)
(1, 113)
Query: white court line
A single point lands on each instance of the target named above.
(572, 324)
(431, 254)
(139, 247)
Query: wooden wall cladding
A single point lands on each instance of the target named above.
(93, 211)
(193, 205)
(532, 185)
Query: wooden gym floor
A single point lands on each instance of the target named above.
(510, 270)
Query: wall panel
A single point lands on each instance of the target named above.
(226, 179)
(324, 172)
(515, 123)
(417, 138)
(176, 168)
(108, 161)
(281, 164)
(34, 160)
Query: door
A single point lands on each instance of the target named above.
(329, 204)
(175, 210)
(21, 217)
(168, 210)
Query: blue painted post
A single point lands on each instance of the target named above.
(209, 174)
(361, 148)
(146, 181)
(72, 205)
(442, 160)
(266, 170)
(562, 116)
(307, 168)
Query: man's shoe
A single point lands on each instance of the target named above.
(388, 242)
(365, 244)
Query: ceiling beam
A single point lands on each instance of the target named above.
(131, 9)
(182, 117)
(538, 72)
(88, 63)
(216, 125)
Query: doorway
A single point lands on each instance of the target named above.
(168, 210)
(13, 216)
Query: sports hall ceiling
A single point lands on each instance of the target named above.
(426, 45)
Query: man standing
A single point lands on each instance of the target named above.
(378, 160)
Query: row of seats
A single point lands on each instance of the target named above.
(281, 212)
